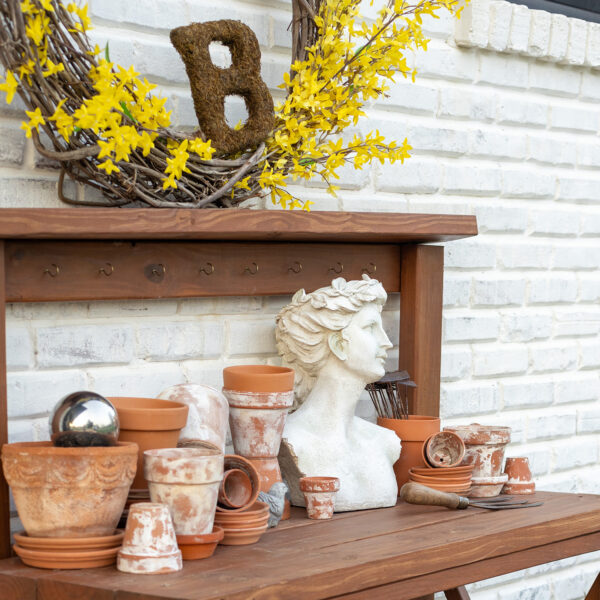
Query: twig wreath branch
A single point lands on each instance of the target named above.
(108, 131)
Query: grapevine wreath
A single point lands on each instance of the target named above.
(107, 130)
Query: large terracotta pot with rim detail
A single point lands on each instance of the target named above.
(412, 433)
(259, 397)
(69, 492)
(186, 480)
(150, 423)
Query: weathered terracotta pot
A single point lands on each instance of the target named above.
(208, 415)
(412, 433)
(69, 492)
(150, 423)
(149, 544)
(443, 449)
(519, 476)
(233, 461)
(187, 481)
(485, 446)
(259, 397)
(487, 487)
(319, 493)
(235, 490)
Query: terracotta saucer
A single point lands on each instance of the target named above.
(258, 509)
(448, 488)
(69, 544)
(443, 480)
(242, 537)
(195, 547)
(443, 471)
(242, 523)
(67, 560)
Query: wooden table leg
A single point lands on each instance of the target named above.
(421, 285)
(594, 593)
(4, 504)
(458, 593)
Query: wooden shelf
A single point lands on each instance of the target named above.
(231, 225)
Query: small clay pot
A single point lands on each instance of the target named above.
(485, 446)
(319, 493)
(196, 547)
(235, 490)
(233, 461)
(69, 492)
(443, 449)
(487, 487)
(149, 544)
(258, 378)
(187, 481)
(150, 423)
(519, 476)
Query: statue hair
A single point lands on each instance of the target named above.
(303, 326)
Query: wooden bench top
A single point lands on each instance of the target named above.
(400, 552)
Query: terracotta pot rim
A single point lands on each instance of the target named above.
(213, 537)
(414, 429)
(189, 452)
(426, 444)
(47, 448)
(258, 508)
(46, 544)
(245, 530)
(127, 555)
(66, 555)
(443, 471)
(258, 378)
(226, 498)
(149, 414)
(443, 480)
(476, 434)
(234, 461)
(317, 483)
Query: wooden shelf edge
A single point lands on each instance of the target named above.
(232, 224)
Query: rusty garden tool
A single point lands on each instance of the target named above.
(415, 493)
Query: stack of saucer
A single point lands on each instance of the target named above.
(68, 553)
(445, 479)
(244, 527)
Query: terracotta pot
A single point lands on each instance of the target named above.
(69, 492)
(150, 423)
(485, 446)
(149, 545)
(233, 461)
(208, 414)
(187, 481)
(63, 559)
(443, 449)
(412, 433)
(319, 493)
(235, 490)
(102, 542)
(487, 487)
(259, 397)
(196, 547)
(519, 476)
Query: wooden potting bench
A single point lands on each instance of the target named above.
(51, 255)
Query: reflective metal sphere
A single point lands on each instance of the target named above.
(84, 419)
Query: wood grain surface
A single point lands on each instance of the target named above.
(4, 504)
(232, 225)
(413, 550)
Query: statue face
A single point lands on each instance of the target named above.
(366, 344)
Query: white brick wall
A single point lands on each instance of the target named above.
(504, 123)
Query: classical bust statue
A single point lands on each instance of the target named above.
(334, 340)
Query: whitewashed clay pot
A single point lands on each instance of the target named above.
(187, 481)
(487, 487)
(207, 417)
(319, 493)
(519, 476)
(259, 397)
(149, 543)
(484, 448)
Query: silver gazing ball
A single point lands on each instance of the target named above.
(84, 419)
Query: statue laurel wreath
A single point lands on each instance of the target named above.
(107, 130)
